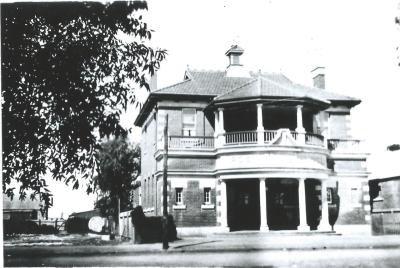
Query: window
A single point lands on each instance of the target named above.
(189, 122)
(207, 195)
(235, 60)
(179, 196)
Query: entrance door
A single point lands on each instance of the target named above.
(283, 204)
(243, 205)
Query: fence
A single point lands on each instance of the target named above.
(385, 221)
(126, 228)
(58, 224)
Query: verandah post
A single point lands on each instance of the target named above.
(165, 185)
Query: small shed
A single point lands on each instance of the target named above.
(22, 210)
(384, 191)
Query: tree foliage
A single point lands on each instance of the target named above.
(393, 147)
(119, 166)
(65, 73)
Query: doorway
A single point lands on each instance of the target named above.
(282, 204)
(243, 200)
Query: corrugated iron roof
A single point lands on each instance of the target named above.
(17, 204)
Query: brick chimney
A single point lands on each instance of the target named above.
(235, 68)
(318, 75)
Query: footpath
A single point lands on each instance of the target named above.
(229, 242)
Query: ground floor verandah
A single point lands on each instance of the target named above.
(274, 204)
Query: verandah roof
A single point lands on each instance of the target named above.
(215, 84)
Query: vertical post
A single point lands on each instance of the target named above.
(165, 185)
(224, 203)
(263, 206)
(302, 206)
(216, 128)
(221, 120)
(221, 129)
(260, 126)
(324, 224)
(300, 129)
(117, 230)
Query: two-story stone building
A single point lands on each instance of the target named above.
(250, 151)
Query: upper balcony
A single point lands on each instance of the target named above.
(269, 137)
(266, 137)
(264, 126)
(190, 142)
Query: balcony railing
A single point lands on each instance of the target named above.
(245, 137)
(190, 142)
(345, 145)
(314, 139)
(269, 135)
(240, 137)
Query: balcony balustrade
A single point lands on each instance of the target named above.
(314, 139)
(345, 145)
(269, 135)
(190, 142)
(242, 137)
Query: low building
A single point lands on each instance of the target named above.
(87, 215)
(22, 210)
(384, 188)
(251, 151)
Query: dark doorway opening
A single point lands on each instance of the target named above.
(243, 204)
(282, 204)
(313, 202)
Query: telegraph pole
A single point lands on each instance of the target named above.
(165, 185)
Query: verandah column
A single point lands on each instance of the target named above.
(216, 127)
(221, 129)
(260, 126)
(263, 206)
(300, 129)
(224, 205)
(324, 223)
(302, 206)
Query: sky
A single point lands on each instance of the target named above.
(354, 40)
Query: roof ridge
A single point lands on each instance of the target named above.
(208, 71)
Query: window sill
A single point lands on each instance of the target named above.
(207, 206)
(179, 207)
